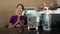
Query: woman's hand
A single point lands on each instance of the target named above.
(18, 19)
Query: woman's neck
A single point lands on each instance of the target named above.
(19, 14)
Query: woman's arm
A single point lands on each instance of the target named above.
(13, 25)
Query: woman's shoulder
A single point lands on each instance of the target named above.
(14, 16)
(23, 16)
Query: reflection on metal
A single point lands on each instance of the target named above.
(28, 28)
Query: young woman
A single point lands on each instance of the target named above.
(18, 21)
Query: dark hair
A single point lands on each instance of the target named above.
(20, 5)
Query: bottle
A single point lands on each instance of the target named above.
(47, 21)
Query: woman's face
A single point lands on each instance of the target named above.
(20, 9)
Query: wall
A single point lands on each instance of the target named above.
(58, 1)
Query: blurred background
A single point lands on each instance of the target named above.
(8, 8)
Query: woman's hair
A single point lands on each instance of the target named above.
(20, 5)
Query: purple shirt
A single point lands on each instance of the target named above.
(13, 19)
